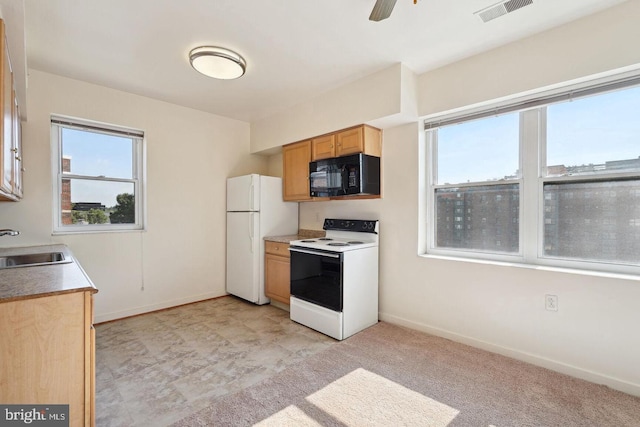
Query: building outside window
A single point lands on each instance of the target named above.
(553, 182)
(98, 176)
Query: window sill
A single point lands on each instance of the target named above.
(80, 232)
(564, 270)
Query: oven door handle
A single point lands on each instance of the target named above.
(314, 253)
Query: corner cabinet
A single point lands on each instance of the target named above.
(10, 132)
(47, 351)
(277, 271)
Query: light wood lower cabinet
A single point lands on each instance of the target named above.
(276, 271)
(47, 353)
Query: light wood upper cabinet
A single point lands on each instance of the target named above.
(323, 147)
(295, 171)
(296, 157)
(6, 123)
(277, 271)
(10, 135)
(17, 149)
(360, 139)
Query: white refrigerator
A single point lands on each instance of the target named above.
(254, 210)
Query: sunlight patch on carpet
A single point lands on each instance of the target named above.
(364, 398)
(289, 416)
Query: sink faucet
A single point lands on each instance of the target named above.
(8, 232)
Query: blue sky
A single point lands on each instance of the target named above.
(96, 154)
(594, 130)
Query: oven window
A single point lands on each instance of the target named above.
(317, 279)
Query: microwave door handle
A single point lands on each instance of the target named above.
(345, 179)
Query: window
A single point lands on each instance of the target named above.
(477, 163)
(574, 158)
(98, 176)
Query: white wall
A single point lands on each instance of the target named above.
(382, 98)
(181, 256)
(595, 44)
(501, 307)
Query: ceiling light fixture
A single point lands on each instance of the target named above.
(217, 62)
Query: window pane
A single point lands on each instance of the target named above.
(96, 154)
(598, 221)
(483, 218)
(594, 135)
(480, 150)
(86, 202)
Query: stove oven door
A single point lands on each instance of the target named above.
(316, 277)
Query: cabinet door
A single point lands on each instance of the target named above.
(42, 349)
(295, 173)
(276, 279)
(362, 139)
(323, 147)
(6, 121)
(350, 141)
(90, 362)
(16, 180)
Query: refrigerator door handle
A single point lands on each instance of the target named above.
(251, 230)
(251, 191)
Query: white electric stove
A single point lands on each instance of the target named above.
(334, 279)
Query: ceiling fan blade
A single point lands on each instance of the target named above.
(382, 10)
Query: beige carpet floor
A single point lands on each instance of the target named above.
(393, 376)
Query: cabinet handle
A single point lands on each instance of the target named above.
(18, 158)
(15, 150)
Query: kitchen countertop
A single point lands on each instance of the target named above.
(42, 280)
(302, 234)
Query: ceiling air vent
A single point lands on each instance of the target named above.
(502, 8)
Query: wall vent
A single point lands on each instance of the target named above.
(497, 10)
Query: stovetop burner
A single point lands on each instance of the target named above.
(343, 235)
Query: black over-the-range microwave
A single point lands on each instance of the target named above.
(343, 176)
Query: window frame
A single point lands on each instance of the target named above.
(533, 177)
(432, 153)
(138, 178)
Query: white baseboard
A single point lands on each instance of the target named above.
(114, 315)
(574, 371)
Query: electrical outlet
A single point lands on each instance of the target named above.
(551, 302)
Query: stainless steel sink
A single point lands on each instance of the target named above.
(30, 260)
